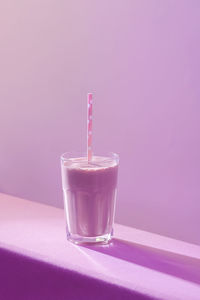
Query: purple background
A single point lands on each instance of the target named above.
(142, 59)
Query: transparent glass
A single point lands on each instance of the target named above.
(89, 190)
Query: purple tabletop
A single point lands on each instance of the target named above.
(37, 262)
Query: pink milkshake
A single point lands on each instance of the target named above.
(89, 187)
(89, 195)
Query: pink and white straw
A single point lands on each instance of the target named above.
(89, 127)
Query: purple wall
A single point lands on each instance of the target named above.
(142, 59)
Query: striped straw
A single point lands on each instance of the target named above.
(89, 127)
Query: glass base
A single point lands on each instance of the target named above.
(78, 239)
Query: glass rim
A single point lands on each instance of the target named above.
(72, 154)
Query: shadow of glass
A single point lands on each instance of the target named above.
(184, 267)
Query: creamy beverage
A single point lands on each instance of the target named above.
(89, 194)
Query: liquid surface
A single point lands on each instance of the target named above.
(97, 162)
